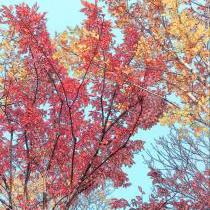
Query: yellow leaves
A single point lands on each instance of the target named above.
(89, 34)
(189, 37)
(6, 48)
(1, 85)
(13, 63)
(203, 100)
(179, 47)
(170, 4)
(177, 34)
(200, 32)
(127, 70)
(203, 105)
(176, 115)
(5, 45)
(164, 120)
(188, 115)
(57, 55)
(73, 47)
(199, 130)
(190, 33)
(186, 21)
(78, 73)
(17, 71)
(64, 37)
(122, 21)
(121, 107)
(143, 48)
(64, 54)
(18, 187)
(22, 74)
(174, 28)
(36, 185)
(1, 68)
(82, 47)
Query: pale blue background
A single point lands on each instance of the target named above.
(63, 13)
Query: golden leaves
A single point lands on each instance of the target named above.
(64, 37)
(11, 64)
(176, 115)
(143, 48)
(121, 106)
(1, 68)
(72, 45)
(5, 45)
(35, 186)
(170, 4)
(188, 32)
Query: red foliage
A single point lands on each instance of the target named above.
(194, 195)
(69, 130)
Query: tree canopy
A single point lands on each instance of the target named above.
(70, 105)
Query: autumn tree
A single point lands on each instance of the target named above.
(177, 32)
(179, 168)
(66, 127)
(71, 105)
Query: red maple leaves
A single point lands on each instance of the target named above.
(70, 131)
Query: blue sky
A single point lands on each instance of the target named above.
(61, 14)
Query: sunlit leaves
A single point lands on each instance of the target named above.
(175, 32)
(71, 106)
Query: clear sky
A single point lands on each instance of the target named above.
(60, 13)
(63, 13)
